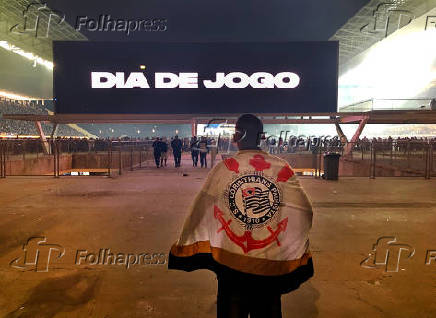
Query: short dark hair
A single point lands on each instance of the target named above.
(250, 129)
(250, 123)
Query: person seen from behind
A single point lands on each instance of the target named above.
(249, 224)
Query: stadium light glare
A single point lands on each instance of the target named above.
(16, 96)
(30, 56)
(400, 66)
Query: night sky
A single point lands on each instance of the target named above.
(223, 20)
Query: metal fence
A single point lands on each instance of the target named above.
(388, 104)
(393, 158)
(65, 157)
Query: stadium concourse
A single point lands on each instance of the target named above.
(81, 218)
(88, 212)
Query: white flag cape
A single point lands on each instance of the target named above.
(251, 215)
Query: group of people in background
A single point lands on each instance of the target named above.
(160, 151)
(199, 148)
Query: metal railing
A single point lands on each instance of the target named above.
(388, 104)
(366, 158)
(403, 157)
(26, 157)
(369, 158)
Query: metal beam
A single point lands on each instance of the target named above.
(53, 132)
(375, 117)
(44, 142)
(349, 145)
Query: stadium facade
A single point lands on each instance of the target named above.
(387, 62)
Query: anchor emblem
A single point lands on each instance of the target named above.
(246, 240)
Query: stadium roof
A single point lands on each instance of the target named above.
(374, 22)
(364, 29)
(32, 27)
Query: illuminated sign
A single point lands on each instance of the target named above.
(195, 78)
(190, 80)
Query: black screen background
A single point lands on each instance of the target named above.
(316, 63)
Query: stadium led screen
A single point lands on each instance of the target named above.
(195, 78)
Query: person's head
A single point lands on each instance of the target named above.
(248, 132)
(176, 137)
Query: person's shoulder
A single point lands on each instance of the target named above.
(278, 160)
(274, 160)
(217, 168)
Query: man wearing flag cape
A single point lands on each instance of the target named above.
(249, 224)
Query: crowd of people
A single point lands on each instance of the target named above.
(393, 144)
(26, 128)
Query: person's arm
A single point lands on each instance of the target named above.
(298, 207)
(192, 250)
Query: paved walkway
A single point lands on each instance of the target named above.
(143, 211)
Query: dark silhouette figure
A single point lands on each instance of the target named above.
(157, 151)
(194, 151)
(176, 145)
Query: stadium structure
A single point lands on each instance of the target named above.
(376, 84)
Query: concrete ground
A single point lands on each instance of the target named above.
(143, 211)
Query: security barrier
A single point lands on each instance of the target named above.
(25, 157)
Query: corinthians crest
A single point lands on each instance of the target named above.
(253, 199)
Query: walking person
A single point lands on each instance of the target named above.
(163, 152)
(250, 225)
(202, 145)
(194, 151)
(176, 145)
(213, 149)
(156, 151)
(280, 145)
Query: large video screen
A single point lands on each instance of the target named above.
(195, 78)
